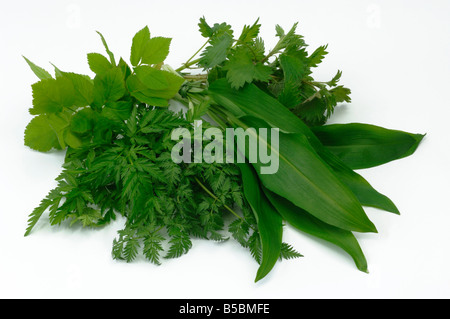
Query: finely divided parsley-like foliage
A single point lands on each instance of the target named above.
(118, 159)
(116, 131)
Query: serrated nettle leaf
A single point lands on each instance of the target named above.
(216, 53)
(250, 32)
(216, 30)
(335, 79)
(312, 112)
(317, 56)
(204, 28)
(279, 31)
(294, 66)
(241, 69)
(38, 71)
(341, 94)
(288, 41)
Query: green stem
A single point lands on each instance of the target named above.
(216, 198)
(199, 77)
(187, 65)
(188, 62)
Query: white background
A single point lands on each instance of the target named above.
(395, 58)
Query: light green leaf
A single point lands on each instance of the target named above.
(98, 63)
(40, 72)
(58, 72)
(152, 78)
(52, 95)
(154, 87)
(46, 131)
(109, 87)
(156, 50)
(143, 93)
(72, 140)
(83, 86)
(40, 136)
(138, 46)
(110, 54)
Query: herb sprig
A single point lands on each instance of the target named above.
(116, 131)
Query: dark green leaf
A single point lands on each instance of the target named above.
(302, 171)
(363, 145)
(249, 33)
(307, 223)
(317, 56)
(216, 53)
(241, 69)
(254, 102)
(269, 223)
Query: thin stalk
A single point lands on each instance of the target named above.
(199, 77)
(187, 65)
(188, 62)
(216, 198)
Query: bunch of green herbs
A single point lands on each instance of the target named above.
(116, 131)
